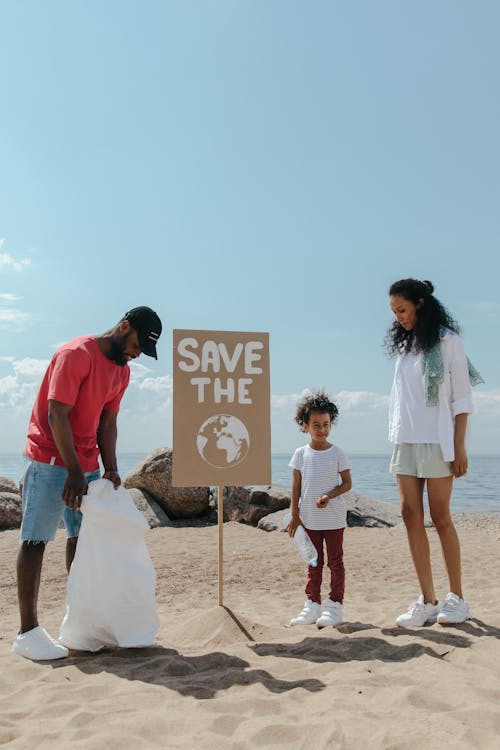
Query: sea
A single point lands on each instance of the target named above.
(477, 492)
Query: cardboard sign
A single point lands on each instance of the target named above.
(221, 433)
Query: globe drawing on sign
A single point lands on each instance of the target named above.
(223, 441)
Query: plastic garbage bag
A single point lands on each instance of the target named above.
(112, 582)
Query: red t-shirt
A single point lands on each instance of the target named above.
(81, 376)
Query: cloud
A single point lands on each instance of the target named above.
(147, 393)
(362, 425)
(12, 319)
(487, 404)
(30, 369)
(145, 417)
(7, 262)
(18, 389)
(363, 422)
(350, 402)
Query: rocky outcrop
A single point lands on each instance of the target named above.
(362, 510)
(10, 510)
(250, 504)
(154, 476)
(7, 485)
(274, 521)
(150, 509)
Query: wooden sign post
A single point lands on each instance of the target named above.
(221, 433)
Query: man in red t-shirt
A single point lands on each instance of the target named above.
(73, 422)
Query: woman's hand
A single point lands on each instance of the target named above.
(459, 465)
(322, 501)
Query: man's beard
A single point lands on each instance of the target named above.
(117, 353)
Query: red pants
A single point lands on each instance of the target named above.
(335, 556)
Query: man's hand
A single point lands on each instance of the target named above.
(114, 477)
(75, 488)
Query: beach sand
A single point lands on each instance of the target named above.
(236, 677)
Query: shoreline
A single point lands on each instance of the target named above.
(477, 493)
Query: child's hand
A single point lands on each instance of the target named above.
(322, 501)
(293, 524)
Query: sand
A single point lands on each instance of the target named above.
(236, 677)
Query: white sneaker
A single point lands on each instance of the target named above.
(36, 644)
(454, 610)
(309, 614)
(331, 615)
(418, 614)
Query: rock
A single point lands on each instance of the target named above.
(362, 510)
(7, 485)
(274, 521)
(150, 509)
(10, 510)
(154, 476)
(250, 504)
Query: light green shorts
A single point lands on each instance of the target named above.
(423, 460)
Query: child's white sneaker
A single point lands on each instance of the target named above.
(418, 614)
(309, 614)
(454, 610)
(331, 615)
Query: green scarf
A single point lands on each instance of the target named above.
(433, 372)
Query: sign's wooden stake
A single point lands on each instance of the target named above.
(220, 521)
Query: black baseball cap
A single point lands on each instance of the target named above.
(146, 322)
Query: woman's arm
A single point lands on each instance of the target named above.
(459, 465)
(461, 401)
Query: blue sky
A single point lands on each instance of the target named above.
(255, 166)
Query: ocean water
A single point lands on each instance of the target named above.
(478, 491)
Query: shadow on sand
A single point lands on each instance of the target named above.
(197, 676)
(345, 649)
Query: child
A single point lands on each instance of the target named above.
(321, 510)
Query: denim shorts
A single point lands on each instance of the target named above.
(43, 506)
(423, 460)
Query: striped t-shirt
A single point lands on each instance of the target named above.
(320, 474)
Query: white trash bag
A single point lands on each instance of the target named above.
(112, 582)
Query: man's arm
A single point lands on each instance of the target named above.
(107, 433)
(76, 484)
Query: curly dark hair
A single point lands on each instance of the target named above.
(317, 401)
(431, 316)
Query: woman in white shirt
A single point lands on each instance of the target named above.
(429, 407)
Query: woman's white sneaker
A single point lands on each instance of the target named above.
(309, 614)
(454, 610)
(331, 615)
(419, 614)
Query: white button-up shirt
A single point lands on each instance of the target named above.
(407, 422)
